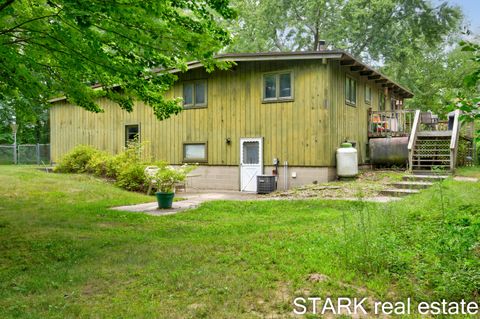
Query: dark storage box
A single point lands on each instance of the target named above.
(266, 184)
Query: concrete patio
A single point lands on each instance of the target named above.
(192, 199)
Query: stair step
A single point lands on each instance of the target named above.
(412, 185)
(424, 177)
(431, 145)
(396, 192)
(431, 155)
(424, 167)
(429, 173)
(434, 134)
(430, 163)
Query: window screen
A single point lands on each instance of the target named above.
(251, 152)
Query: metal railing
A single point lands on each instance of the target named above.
(25, 154)
(390, 123)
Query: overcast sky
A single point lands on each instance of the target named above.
(471, 9)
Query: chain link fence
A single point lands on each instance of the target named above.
(25, 154)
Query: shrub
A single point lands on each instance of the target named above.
(98, 164)
(76, 160)
(120, 162)
(132, 177)
(166, 177)
(127, 168)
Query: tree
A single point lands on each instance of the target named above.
(377, 30)
(51, 47)
(436, 77)
(468, 100)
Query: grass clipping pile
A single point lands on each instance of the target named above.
(368, 184)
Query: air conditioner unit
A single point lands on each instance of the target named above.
(266, 184)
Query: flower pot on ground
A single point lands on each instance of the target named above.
(165, 180)
(165, 200)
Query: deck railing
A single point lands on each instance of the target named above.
(413, 138)
(390, 123)
(454, 140)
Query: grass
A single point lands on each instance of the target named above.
(468, 172)
(65, 254)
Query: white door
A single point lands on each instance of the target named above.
(251, 163)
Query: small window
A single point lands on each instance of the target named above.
(251, 152)
(368, 94)
(277, 86)
(350, 91)
(195, 94)
(381, 101)
(195, 152)
(132, 134)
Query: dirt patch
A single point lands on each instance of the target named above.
(317, 278)
(368, 184)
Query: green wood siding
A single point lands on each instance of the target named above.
(304, 132)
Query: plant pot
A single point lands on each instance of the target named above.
(164, 200)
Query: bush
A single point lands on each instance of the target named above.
(98, 164)
(76, 161)
(127, 168)
(132, 177)
(166, 177)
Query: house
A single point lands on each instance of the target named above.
(291, 109)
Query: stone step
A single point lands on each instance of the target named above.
(396, 192)
(424, 177)
(411, 185)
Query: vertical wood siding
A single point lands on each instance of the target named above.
(304, 132)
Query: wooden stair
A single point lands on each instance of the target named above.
(432, 151)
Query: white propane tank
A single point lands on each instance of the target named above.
(347, 161)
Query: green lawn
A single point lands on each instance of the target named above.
(63, 253)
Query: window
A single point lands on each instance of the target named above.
(251, 152)
(350, 91)
(195, 152)
(381, 101)
(195, 94)
(132, 134)
(277, 86)
(368, 94)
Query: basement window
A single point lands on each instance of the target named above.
(277, 86)
(132, 134)
(350, 91)
(195, 94)
(195, 152)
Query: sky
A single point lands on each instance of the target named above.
(471, 9)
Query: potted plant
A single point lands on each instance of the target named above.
(165, 180)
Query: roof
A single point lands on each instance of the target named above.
(346, 59)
